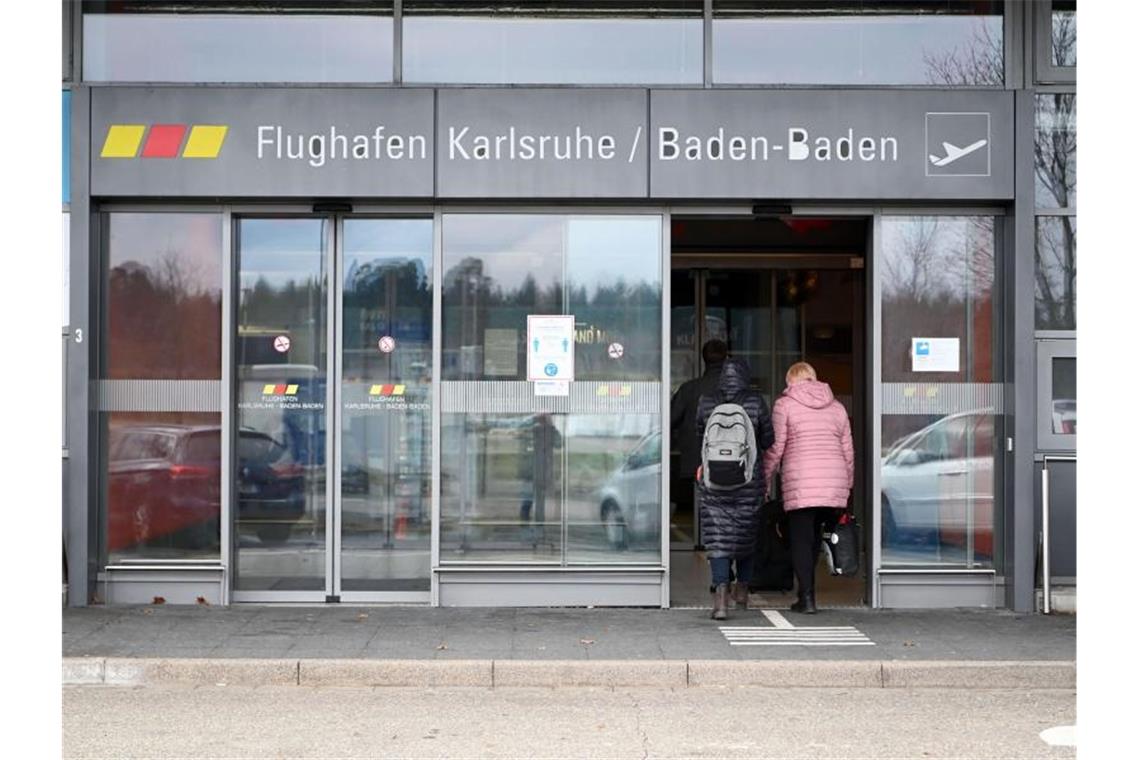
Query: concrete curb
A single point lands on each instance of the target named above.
(1025, 674)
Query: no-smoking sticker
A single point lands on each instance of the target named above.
(387, 344)
(615, 350)
(281, 343)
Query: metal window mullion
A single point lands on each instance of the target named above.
(398, 41)
(706, 29)
(666, 344)
(874, 348)
(436, 386)
(337, 351)
(229, 330)
(564, 490)
(328, 267)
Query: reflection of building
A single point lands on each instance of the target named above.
(390, 290)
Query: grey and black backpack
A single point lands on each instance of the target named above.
(728, 449)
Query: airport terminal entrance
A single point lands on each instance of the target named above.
(777, 291)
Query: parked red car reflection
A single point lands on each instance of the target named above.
(164, 489)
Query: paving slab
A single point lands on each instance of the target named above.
(389, 632)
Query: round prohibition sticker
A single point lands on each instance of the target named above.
(615, 350)
(387, 344)
(281, 344)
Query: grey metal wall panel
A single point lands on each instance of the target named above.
(938, 592)
(1062, 517)
(603, 133)
(80, 529)
(367, 162)
(160, 395)
(586, 397)
(743, 144)
(538, 589)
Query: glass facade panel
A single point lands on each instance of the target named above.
(1064, 395)
(941, 394)
(281, 374)
(1055, 151)
(560, 480)
(1056, 273)
(385, 456)
(1063, 33)
(161, 322)
(66, 146)
(570, 44)
(858, 43)
(213, 47)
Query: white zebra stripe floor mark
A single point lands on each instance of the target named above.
(783, 634)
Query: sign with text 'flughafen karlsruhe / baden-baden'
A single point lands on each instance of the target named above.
(571, 143)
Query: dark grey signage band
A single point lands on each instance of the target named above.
(538, 143)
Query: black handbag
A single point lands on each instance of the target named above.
(841, 546)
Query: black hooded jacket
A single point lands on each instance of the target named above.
(730, 520)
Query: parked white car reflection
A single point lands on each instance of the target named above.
(631, 497)
(938, 485)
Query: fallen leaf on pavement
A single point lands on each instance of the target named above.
(159, 600)
(202, 601)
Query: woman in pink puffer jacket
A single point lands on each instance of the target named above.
(816, 458)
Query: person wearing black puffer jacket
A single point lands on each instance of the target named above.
(730, 520)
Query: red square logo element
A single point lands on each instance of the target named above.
(279, 390)
(164, 141)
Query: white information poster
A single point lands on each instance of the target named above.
(550, 347)
(934, 354)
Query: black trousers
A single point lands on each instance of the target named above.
(805, 528)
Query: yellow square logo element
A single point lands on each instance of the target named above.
(123, 141)
(205, 141)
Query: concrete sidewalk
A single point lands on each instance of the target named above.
(416, 646)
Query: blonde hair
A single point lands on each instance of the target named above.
(800, 371)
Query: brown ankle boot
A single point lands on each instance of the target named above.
(740, 595)
(720, 602)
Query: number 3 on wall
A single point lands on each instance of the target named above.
(79, 335)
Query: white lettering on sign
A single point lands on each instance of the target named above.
(316, 149)
(575, 145)
(800, 145)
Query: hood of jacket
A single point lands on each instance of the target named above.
(810, 393)
(734, 377)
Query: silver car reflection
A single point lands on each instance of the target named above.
(938, 484)
(630, 497)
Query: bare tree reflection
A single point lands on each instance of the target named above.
(982, 61)
(164, 320)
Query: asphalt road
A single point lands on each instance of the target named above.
(705, 722)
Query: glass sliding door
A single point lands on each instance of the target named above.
(333, 444)
(281, 437)
(385, 405)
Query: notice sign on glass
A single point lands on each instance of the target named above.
(549, 348)
(934, 354)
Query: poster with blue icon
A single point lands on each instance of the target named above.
(550, 348)
(934, 354)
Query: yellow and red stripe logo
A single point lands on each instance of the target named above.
(386, 390)
(279, 390)
(164, 140)
(614, 389)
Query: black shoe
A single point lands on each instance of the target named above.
(805, 604)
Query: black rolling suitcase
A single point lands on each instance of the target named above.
(772, 562)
